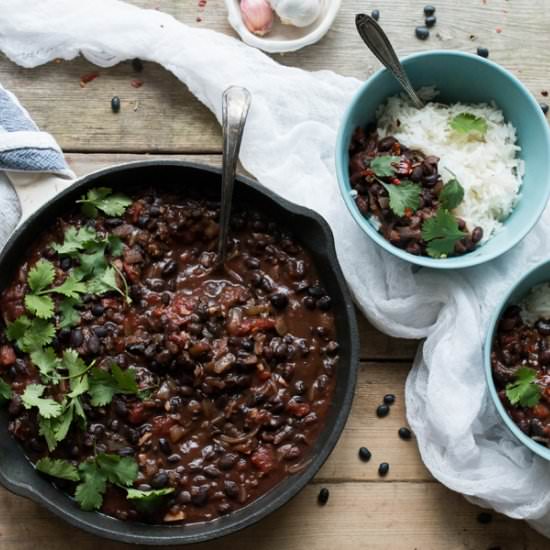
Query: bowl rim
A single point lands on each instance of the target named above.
(532, 445)
(455, 262)
(281, 46)
(171, 535)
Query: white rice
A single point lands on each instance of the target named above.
(489, 169)
(536, 305)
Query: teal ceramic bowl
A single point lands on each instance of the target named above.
(539, 274)
(469, 79)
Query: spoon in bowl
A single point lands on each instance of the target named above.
(235, 105)
(379, 44)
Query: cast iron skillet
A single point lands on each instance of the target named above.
(19, 476)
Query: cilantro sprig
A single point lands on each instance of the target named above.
(451, 195)
(93, 476)
(103, 198)
(441, 232)
(403, 197)
(469, 124)
(383, 166)
(524, 390)
(105, 385)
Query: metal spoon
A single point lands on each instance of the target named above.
(379, 44)
(235, 105)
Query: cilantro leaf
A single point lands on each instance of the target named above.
(46, 360)
(524, 391)
(69, 315)
(46, 430)
(136, 494)
(62, 423)
(71, 287)
(102, 198)
(451, 195)
(467, 123)
(41, 275)
(47, 407)
(104, 385)
(117, 469)
(38, 334)
(404, 196)
(58, 468)
(89, 493)
(441, 232)
(5, 391)
(39, 305)
(16, 329)
(93, 262)
(75, 240)
(383, 166)
(116, 246)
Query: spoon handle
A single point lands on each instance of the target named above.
(379, 44)
(235, 105)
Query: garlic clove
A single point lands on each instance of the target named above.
(299, 13)
(257, 16)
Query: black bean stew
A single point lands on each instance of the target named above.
(234, 367)
(416, 178)
(520, 361)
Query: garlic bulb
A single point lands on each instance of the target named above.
(257, 16)
(299, 13)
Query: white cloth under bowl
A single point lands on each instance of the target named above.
(289, 147)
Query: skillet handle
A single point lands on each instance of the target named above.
(34, 190)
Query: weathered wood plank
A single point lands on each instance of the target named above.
(168, 118)
(377, 516)
(374, 344)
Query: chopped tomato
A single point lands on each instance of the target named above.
(250, 326)
(7, 356)
(162, 425)
(263, 458)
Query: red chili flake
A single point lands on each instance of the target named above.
(136, 83)
(499, 30)
(202, 3)
(408, 212)
(396, 181)
(544, 93)
(88, 77)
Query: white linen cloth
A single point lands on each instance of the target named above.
(289, 147)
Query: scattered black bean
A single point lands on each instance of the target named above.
(404, 433)
(160, 480)
(375, 14)
(429, 10)
(76, 338)
(364, 454)
(422, 33)
(115, 104)
(383, 469)
(324, 303)
(389, 399)
(484, 518)
(279, 300)
(322, 497)
(483, 52)
(430, 21)
(98, 309)
(382, 410)
(544, 107)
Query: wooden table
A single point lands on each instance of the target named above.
(407, 509)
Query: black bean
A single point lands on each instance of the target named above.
(113, 222)
(120, 408)
(212, 471)
(389, 399)
(316, 291)
(300, 387)
(97, 310)
(544, 107)
(143, 220)
(483, 52)
(76, 338)
(324, 303)
(199, 495)
(164, 446)
(101, 331)
(322, 497)
(430, 21)
(417, 173)
(383, 469)
(382, 410)
(279, 300)
(126, 451)
(386, 143)
(364, 454)
(165, 298)
(231, 489)
(64, 334)
(429, 10)
(160, 480)
(252, 263)
(484, 518)
(115, 104)
(227, 461)
(404, 433)
(93, 344)
(422, 33)
(375, 14)
(309, 302)
(543, 327)
(135, 349)
(170, 267)
(65, 263)
(477, 234)
(184, 497)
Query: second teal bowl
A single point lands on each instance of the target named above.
(469, 79)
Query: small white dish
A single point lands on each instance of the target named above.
(284, 38)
